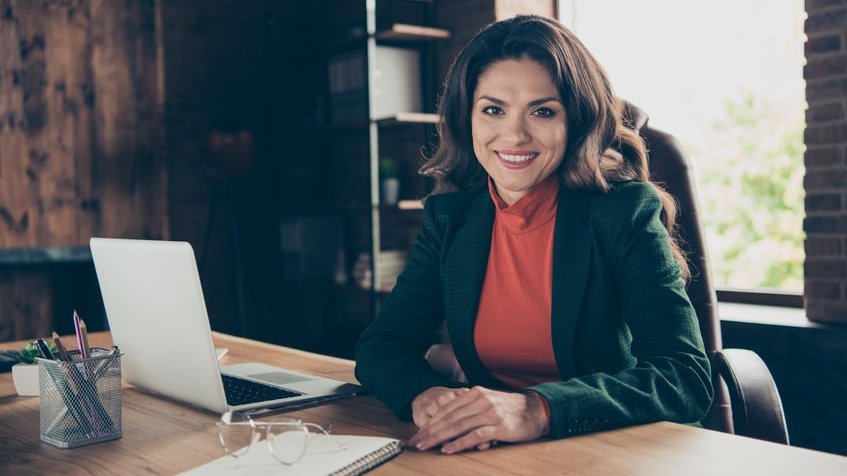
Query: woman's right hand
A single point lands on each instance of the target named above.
(431, 400)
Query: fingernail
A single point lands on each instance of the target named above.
(446, 450)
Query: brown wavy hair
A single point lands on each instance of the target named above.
(602, 148)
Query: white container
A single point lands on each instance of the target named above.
(390, 191)
(25, 377)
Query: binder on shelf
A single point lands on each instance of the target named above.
(396, 82)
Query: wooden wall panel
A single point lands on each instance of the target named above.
(81, 140)
(81, 143)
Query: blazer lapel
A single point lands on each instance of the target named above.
(464, 272)
(571, 252)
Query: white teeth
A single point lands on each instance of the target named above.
(516, 158)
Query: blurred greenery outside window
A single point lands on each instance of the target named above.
(726, 78)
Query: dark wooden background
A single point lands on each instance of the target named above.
(81, 138)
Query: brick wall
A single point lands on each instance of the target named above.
(826, 167)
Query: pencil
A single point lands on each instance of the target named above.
(83, 332)
(63, 353)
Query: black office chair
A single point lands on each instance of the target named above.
(746, 398)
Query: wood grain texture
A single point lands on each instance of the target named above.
(161, 436)
(81, 136)
(81, 127)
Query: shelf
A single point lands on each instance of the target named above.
(409, 205)
(45, 255)
(402, 32)
(409, 118)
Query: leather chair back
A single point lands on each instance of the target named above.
(670, 168)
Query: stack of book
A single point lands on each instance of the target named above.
(389, 266)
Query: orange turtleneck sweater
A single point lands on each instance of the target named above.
(512, 333)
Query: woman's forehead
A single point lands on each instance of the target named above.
(516, 78)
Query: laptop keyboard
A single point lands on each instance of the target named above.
(241, 392)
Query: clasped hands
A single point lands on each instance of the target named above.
(478, 417)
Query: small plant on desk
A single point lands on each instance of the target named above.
(25, 372)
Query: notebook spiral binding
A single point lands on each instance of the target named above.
(371, 461)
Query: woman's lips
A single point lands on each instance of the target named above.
(516, 160)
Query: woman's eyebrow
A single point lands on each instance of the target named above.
(534, 102)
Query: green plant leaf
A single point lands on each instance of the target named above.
(28, 354)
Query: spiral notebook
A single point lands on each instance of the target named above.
(323, 457)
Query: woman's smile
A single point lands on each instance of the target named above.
(519, 126)
(516, 160)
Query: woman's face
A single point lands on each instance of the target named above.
(519, 126)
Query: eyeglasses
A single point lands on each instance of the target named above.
(287, 437)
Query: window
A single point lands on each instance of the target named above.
(726, 78)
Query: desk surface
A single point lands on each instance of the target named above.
(161, 436)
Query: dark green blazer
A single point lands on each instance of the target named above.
(625, 336)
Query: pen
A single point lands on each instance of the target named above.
(44, 349)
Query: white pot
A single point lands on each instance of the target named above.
(390, 191)
(25, 377)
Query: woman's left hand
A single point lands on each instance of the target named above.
(482, 416)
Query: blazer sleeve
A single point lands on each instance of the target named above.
(390, 352)
(671, 376)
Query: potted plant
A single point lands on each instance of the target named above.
(388, 181)
(25, 372)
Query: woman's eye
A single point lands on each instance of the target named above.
(544, 112)
(492, 110)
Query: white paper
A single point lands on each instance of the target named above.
(322, 457)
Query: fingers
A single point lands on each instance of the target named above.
(450, 429)
(479, 437)
(443, 424)
(479, 417)
(465, 398)
(430, 402)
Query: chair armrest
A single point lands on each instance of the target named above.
(756, 406)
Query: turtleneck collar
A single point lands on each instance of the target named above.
(531, 211)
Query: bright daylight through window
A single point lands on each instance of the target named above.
(726, 78)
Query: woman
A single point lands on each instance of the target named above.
(549, 254)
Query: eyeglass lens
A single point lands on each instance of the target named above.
(236, 433)
(288, 442)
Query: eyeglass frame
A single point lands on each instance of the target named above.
(256, 427)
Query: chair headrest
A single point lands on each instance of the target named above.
(636, 116)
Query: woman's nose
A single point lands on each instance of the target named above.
(516, 131)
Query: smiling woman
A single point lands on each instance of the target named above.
(549, 254)
(519, 126)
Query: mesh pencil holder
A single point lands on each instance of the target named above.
(80, 401)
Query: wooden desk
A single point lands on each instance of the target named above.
(164, 437)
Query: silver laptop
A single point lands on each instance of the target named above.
(157, 315)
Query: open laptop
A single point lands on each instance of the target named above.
(157, 316)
